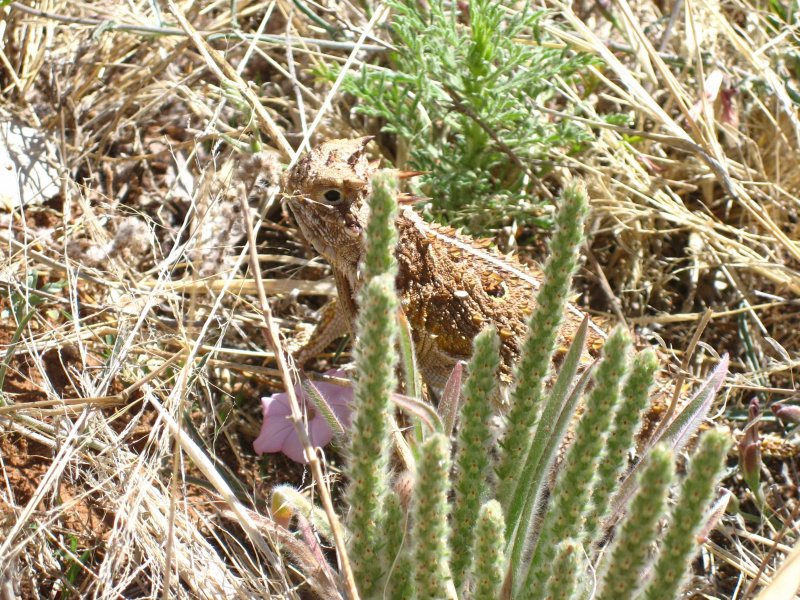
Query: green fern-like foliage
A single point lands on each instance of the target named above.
(433, 96)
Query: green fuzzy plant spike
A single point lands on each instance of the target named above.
(632, 544)
(369, 441)
(375, 382)
(488, 561)
(474, 437)
(687, 516)
(381, 234)
(563, 519)
(562, 584)
(540, 344)
(397, 557)
(620, 439)
(430, 529)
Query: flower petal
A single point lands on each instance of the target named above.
(278, 433)
(293, 448)
(320, 432)
(277, 404)
(277, 427)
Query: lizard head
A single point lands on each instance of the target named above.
(327, 191)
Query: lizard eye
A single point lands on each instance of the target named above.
(333, 195)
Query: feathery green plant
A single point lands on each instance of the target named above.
(483, 152)
(455, 540)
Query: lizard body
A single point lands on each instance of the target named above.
(450, 286)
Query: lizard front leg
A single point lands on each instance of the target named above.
(337, 320)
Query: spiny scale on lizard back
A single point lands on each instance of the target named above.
(450, 286)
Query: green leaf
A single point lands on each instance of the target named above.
(553, 425)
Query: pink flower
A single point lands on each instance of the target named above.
(278, 433)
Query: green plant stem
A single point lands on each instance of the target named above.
(557, 414)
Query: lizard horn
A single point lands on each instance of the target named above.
(408, 199)
(360, 147)
(409, 174)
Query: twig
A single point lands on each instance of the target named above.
(277, 40)
(664, 318)
(271, 334)
(687, 357)
(206, 467)
(114, 399)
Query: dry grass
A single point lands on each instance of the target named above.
(131, 388)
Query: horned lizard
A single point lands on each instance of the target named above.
(450, 286)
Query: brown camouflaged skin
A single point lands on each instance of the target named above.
(450, 286)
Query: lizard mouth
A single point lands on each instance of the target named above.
(353, 229)
(351, 224)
